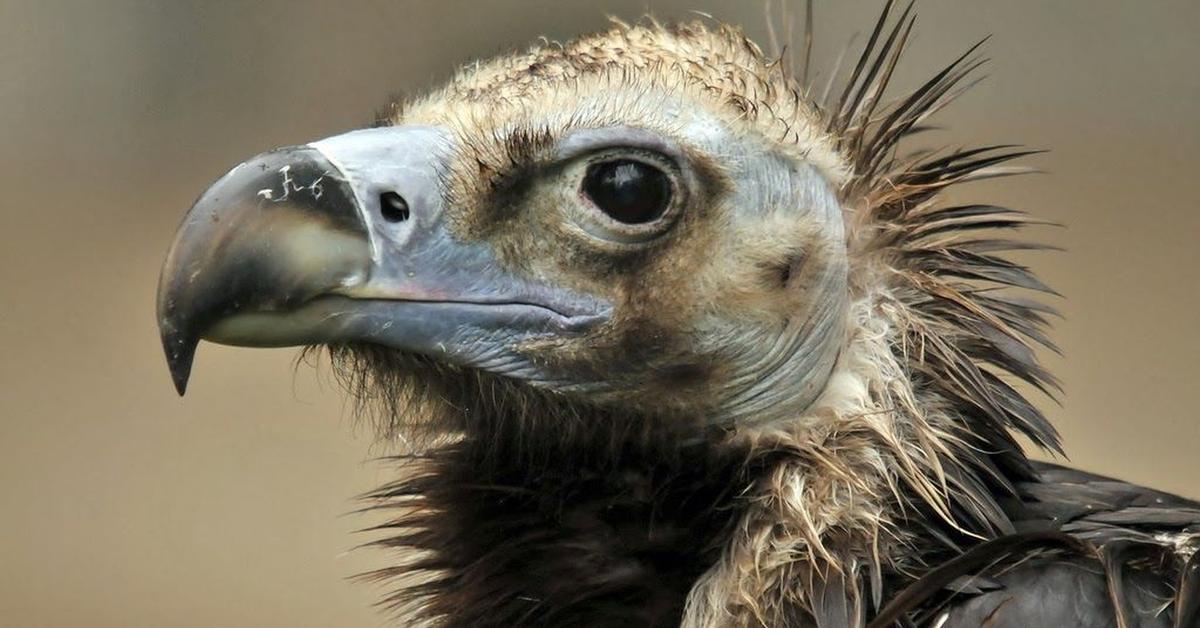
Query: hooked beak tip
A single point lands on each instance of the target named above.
(180, 351)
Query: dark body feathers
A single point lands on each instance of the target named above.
(1090, 552)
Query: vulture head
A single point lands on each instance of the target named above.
(684, 339)
(646, 220)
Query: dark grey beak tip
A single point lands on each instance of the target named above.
(180, 350)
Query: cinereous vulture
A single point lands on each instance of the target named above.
(675, 338)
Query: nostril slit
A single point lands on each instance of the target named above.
(393, 207)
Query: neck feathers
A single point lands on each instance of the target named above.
(609, 528)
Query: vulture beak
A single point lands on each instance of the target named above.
(345, 240)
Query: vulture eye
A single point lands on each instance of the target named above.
(628, 191)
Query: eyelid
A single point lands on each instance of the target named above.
(584, 141)
(633, 153)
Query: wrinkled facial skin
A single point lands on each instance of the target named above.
(730, 306)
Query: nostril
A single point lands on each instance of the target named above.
(393, 207)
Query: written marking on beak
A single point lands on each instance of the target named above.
(289, 185)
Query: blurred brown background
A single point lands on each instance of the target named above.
(123, 505)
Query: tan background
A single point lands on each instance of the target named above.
(122, 505)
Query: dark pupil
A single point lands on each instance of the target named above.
(629, 191)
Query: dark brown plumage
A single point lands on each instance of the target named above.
(776, 391)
